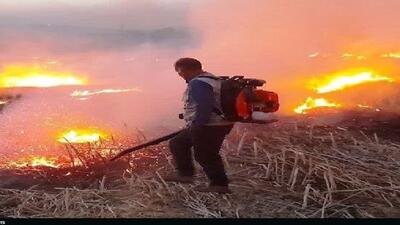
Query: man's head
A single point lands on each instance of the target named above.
(188, 68)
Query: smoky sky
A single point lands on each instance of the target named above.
(136, 41)
(272, 39)
(110, 25)
(77, 38)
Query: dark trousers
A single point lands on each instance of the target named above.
(206, 142)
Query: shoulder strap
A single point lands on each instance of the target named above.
(204, 76)
(215, 110)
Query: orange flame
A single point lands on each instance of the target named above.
(343, 80)
(28, 76)
(312, 103)
(34, 161)
(81, 136)
(86, 93)
(313, 55)
(391, 55)
(350, 55)
(42, 161)
(363, 106)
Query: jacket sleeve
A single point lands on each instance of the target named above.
(203, 97)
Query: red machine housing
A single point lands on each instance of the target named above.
(266, 102)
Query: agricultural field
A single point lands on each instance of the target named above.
(298, 167)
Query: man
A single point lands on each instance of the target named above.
(205, 128)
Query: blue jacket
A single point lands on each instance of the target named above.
(202, 95)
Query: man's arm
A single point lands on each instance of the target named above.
(203, 95)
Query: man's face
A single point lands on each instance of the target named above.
(184, 73)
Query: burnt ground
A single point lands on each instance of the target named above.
(8, 99)
(80, 176)
(323, 165)
(357, 122)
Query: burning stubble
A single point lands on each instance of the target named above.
(344, 80)
(82, 136)
(286, 42)
(312, 103)
(279, 41)
(336, 83)
(87, 93)
(35, 76)
(289, 43)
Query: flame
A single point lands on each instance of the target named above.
(368, 107)
(43, 161)
(86, 93)
(343, 80)
(364, 106)
(361, 57)
(35, 161)
(350, 55)
(391, 55)
(29, 76)
(312, 103)
(313, 55)
(347, 55)
(81, 136)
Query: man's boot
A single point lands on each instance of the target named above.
(214, 188)
(174, 177)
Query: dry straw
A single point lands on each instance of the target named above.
(281, 172)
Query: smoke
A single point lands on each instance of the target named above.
(66, 39)
(133, 44)
(272, 39)
(61, 28)
(114, 44)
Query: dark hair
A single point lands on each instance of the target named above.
(188, 63)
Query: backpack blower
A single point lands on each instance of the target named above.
(241, 100)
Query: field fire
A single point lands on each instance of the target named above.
(27, 76)
(81, 136)
(344, 80)
(34, 161)
(334, 158)
(86, 93)
(336, 83)
(184, 109)
(311, 103)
